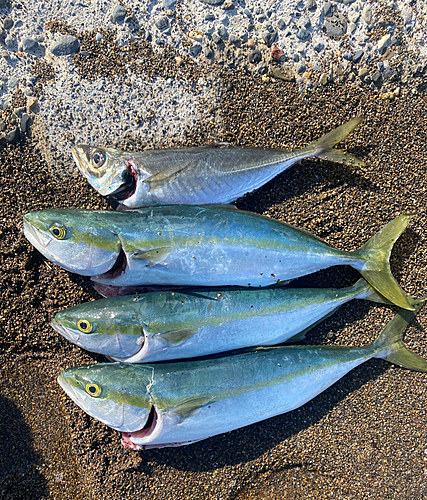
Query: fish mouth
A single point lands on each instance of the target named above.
(130, 181)
(35, 236)
(81, 155)
(69, 334)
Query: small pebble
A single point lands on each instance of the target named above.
(11, 43)
(195, 50)
(367, 14)
(99, 37)
(209, 17)
(336, 25)
(162, 23)
(29, 44)
(12, 83)
(327, 9)
(228, 5)
(255, 56)
(222, 32)
(269, 37)
(118, 15)
(13, 136)
(285, 73)
(213, 2)
(276, 53)
(323, 80)
(65, 45)
(303, 34)
(310, 4)
(376, 78)
(383, 41)
(169, 4)
(358, 56)
(7, 23)
(25, 123)
(32, 104)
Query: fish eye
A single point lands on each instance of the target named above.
(84, 326)
(93, 389)
(58, 231)
(98, 159)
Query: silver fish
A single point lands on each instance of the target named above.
(198, 175)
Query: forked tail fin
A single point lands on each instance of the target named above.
(324, 145)
(377, 272)
(390, 344)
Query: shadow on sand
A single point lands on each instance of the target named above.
(19, 474)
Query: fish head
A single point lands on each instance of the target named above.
(108, 170)
(109, 327)
(77, 240)
(117, 394)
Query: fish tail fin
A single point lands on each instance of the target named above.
(324, 145)
(376, 270)
(367, 292)
(390, 344)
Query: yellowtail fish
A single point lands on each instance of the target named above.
(201, 246)
(159, 326)
(174, 404)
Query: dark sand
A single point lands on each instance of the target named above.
(363, 438)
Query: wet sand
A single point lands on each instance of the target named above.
(363, 438)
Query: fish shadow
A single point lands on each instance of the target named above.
(18, 460)
(300, 179)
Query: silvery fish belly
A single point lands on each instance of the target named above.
(159, 326)
(173, 404)
(201, 246)
(198, 175)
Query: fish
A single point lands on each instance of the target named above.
(179, 403)
(210, 174)
(160, 326)
(201, 246)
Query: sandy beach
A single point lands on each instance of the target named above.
(363, 438)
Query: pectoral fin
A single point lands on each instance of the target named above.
(192, 406)
(154, 256)
(170, 174)
(177, 336)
